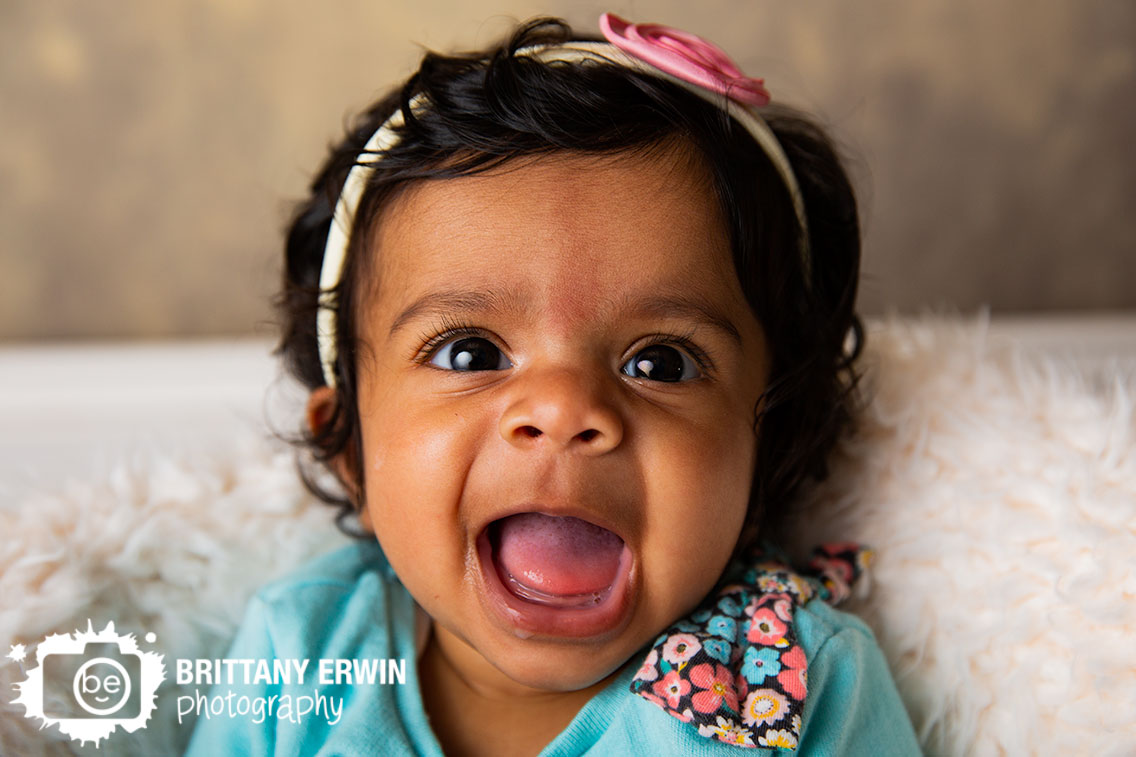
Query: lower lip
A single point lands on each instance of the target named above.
(527, 618)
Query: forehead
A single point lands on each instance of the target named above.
(584, 232)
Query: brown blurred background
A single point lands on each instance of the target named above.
(149, 151)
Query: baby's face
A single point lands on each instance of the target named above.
(557, 396)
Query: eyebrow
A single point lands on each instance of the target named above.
(686, 308)
(445, 302)
(677, 307)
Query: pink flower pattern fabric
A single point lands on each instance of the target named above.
(734, 669)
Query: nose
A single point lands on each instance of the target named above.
(561, 410)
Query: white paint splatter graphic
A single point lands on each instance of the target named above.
(122, 682)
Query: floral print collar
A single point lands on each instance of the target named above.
(733, 669)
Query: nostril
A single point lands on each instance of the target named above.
(587, 436)
(531, 432)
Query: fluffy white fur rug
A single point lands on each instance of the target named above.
(999, 491)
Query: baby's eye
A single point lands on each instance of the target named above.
(661, 362)
(471, 353)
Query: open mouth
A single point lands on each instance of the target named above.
(555, 561)
(556, 574)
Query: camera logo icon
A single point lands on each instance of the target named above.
(98, 682)
(89, 683)
(113, 687)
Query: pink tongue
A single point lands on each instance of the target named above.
(558, 556)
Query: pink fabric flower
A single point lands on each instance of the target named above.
(686, 56)
(681, 647)
(718, 684)
(765, 627)
(741, 686)
(672, 688)
(783, 606)
(793, 678)
(648, 671)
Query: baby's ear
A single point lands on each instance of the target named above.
(322, 403)
(323, 406)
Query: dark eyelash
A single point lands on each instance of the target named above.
(446, 328)
(442, 331)
(686, 341)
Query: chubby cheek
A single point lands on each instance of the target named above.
(413, 492)
(699, 499)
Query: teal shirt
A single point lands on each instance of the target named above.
(350, 606)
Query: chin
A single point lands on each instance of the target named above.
(543, 667)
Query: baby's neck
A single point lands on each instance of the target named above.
(477, 710)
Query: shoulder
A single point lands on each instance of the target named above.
(853, 706)
(313, 610)
(340, 570)
(816, 622)
(339, 625)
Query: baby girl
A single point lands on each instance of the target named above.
(577, 321)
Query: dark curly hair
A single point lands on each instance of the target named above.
(488, 108)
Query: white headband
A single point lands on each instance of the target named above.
(386, 137)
